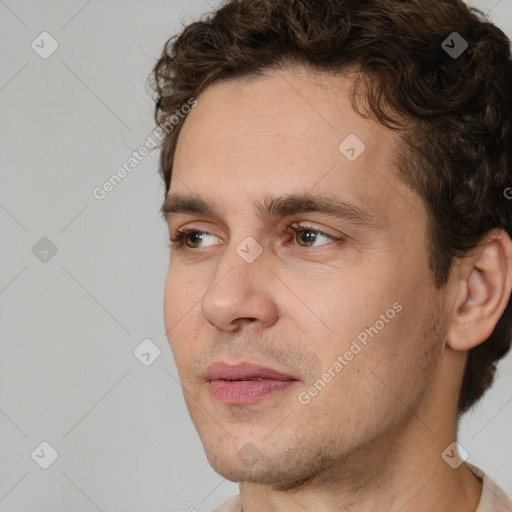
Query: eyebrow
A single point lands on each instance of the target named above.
(282, 206)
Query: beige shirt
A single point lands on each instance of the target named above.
(493, 498)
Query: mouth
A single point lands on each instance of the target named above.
(245, 383)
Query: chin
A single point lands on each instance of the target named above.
(236, 472)
(286, 469)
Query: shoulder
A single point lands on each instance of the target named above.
(493, 497)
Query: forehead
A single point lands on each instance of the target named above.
(284, 132)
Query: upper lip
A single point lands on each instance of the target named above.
(223, 371)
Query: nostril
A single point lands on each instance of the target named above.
(239, 324)
(245, 320)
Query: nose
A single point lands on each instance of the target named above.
(240, 294)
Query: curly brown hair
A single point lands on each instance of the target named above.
(454, 111)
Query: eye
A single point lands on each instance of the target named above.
(306, 236)
(302, 236)
(192, 238)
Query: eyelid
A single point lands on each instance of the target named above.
(294, 227)
(196, 226)
(181, 233)
(306, 225)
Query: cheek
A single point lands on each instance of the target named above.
(181, 293)
(367, 320)
(341, 306)
(368, 382)
(181, 309)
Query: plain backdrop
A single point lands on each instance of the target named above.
(82, 279)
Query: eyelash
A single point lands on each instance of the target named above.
(181, 234)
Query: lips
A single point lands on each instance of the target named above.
(245, 383)
(243, 371)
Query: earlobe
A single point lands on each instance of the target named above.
(484, 290)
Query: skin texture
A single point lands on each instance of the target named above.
(375, 433)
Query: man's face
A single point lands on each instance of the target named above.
(245, 288)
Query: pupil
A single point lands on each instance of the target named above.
(307, 236)
(195, 238)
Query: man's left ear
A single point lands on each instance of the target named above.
(485, 284)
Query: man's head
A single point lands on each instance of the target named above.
(370, 127)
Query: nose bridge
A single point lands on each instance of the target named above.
(237, 290)
(244, 257)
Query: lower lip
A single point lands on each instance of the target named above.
(247, 391)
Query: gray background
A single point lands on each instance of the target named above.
(70, 324)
